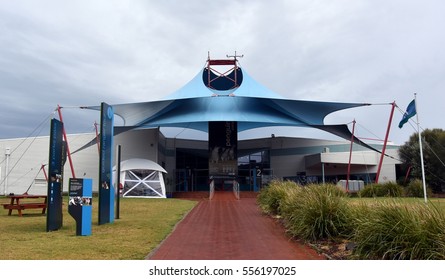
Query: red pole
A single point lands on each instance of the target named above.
(44, 172)
(407, 173)
(66, 140)
(384, 143)
(350, 156)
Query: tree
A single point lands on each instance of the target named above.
(433, 141)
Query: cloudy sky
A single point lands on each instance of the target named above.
(75, 53)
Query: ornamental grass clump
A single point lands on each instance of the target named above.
(271, 197)
(388, 189)
(415, 189)
(397, 231)
(317, 212)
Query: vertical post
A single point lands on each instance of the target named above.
(118, 181)
(7, 155)
(421, 149)
(107, 193)
(384, 143)
(350, 157)
(322, 172)
(66, 141)
(255, 187)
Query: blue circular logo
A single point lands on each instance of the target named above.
(110, 113)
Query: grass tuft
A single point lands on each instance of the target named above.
(317, 212)
(399, 231)
(271, 197)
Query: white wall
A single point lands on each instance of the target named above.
(138, 144)
(27, 156)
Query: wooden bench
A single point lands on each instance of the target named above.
(17, 204)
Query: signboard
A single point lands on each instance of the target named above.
(80, 204)
(54, 217)
(223, 153)
(106, 188)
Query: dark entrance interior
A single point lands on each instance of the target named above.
(192, 170)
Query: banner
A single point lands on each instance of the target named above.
(54, 217)
(223, 153)
(106, 188)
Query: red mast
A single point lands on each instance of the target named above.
(384, 143)
(66, 141)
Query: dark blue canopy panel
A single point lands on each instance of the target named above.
(222, 82)
(249, 112)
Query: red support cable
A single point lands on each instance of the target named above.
(384, 143)
(66, 141)
(350, 157)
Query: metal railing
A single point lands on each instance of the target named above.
(212, 189)
(236, 189)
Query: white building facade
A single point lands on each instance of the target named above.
(186, 161)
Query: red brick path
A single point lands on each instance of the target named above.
(228, 229)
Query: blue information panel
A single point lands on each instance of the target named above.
(80, 204)
(57, 152)
(106, 188)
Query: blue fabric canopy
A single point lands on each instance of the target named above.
(245, 101)
(250, 104)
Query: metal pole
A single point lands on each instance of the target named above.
(118, 179)
(7, 155)
(350, 156)
(384, 144)
(421, 149)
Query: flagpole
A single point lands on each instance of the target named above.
(421, 150)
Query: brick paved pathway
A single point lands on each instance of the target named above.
(225, 229)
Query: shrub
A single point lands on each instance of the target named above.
(370, 190)
(317, 212)
(388, 189)
(415, 189)
(270, 197)
(392, 189)
(388, 230)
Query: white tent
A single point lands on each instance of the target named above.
(141, 178)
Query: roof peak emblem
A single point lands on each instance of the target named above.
(223, 76)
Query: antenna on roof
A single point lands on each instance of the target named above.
(235, 56)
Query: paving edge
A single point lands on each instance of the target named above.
(147, 257)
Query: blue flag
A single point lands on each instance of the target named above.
(410, 112)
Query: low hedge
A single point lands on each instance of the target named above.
(379, 230)
(388, 189)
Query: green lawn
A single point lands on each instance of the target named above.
(143, 224)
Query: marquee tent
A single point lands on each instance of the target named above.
(141, 178)
(232, 97)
